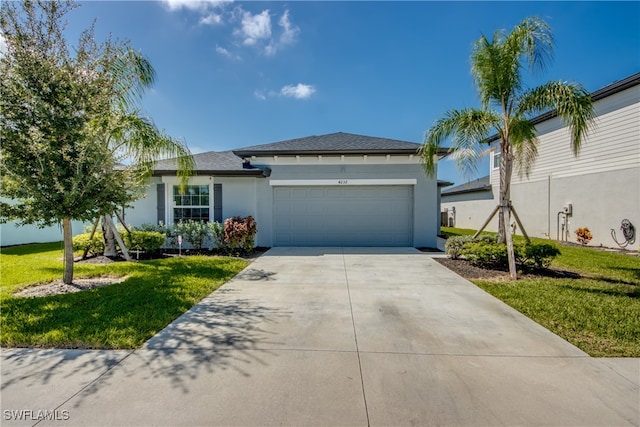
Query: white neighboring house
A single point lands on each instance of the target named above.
(597, 189)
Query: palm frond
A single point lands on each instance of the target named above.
(571, 102)
(533, 39)
(132, 74)
(467, 129)
(524, 142)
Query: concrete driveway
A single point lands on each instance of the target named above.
(332, 336)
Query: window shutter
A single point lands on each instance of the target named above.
(217, 202)
(161, 203)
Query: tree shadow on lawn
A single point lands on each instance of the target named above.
(633, 292)
(222, 333)
(634, 271)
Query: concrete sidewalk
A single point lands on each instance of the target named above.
(332, 336)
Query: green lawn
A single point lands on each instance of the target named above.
(599, 313)
(124, 315)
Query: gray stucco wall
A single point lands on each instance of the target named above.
(471, 209)
(600, 202)
(143, 210)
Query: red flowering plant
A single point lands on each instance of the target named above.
(583, 235)
(239, 233)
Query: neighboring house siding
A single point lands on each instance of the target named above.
(613, 144)
(602, 182)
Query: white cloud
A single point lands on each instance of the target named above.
(224, 52)
(299, 91)
(255, 27)
(197, 5)
(290, 31)
(211, 19)
(259, 94)
(258, 31)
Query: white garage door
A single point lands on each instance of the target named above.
(343, 216)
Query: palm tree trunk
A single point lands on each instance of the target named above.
(108, 238)
(67, 276)
(504, 230)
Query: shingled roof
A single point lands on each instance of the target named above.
(213, 163)
(231, 163)
(480, 184)
(333, 143)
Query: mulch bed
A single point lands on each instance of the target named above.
(169, 253)
(465, 269)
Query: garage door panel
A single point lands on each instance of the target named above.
(343, 216)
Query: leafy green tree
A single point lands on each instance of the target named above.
(506, 109)
(68, 120)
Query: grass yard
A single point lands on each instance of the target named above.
(598, 312)
(120, 316)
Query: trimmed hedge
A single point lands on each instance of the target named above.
(148, 241)
(455, 244)
(494, 255)
(94, 246)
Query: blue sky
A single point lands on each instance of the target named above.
(234, 74)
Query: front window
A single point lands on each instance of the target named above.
(192, 204)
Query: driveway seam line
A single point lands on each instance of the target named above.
(355, 336)
(89, 384)
(527, 356)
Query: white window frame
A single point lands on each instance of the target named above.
(174, 205)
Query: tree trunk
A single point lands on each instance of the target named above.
(67, 277)
(108, 238)
(504, 228)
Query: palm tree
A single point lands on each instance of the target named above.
(133, 139)
(507, 106)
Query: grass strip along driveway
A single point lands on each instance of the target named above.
(119, 316)
(599, 312)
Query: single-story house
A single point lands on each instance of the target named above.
(598, 189)
(338, 189)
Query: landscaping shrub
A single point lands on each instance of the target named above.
(158, 228)
(148, 241)
(193, 232)
(216, 231)
(536, 255)
(454, 244)
(94, 246)
(239, 233)
(494, 255)
(485, 254)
